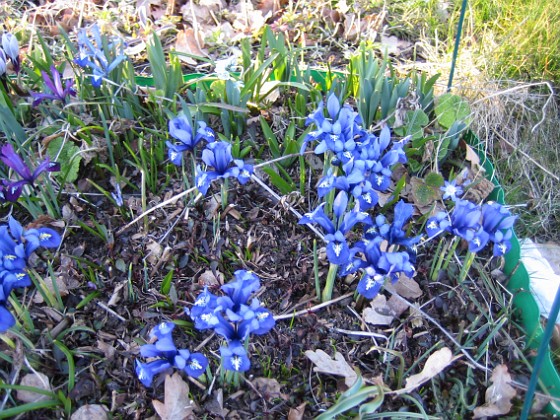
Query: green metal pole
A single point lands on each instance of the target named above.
(457, 42)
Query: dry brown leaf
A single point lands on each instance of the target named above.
(498, 395)
(107, 349)
(337, 366)
(189, 42)
(384, 198)
(270, 89)
(212, 206)
(269, 388)
(416, 318)
(394, 45)
(90, 412)
(207, 278)
(397, 305)
(60, 286)
(202, 12)
(297, 413)
(216, 404)
(479, 189)
(270, 7)
(405, 287)
(155, 250)
(435, 364)
(36, 380)
(472, 157)
(247, 20)
(379, 313)
(176, 405)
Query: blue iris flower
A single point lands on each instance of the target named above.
(334, 133)
(217, 155)
(93, 54)
(7, 320)
(464, 221)
(338, 250)
(395, 233)
(234, 357)
(477, 225)
(498, 223)
(16, 246)
(239, 290)
(181, 130)
(234, 317)
(437, 224)
(168, 356)
(202, 312)
(379, 266)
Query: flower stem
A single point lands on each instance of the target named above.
(469, 259)
(327, 291)
(451, 252)
(316, 269)
(225, 186)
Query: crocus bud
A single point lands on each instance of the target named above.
(11, 48)
(2, 63)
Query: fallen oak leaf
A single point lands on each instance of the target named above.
(498, 396)
(337, 366)
(176, 405)
(435, 364)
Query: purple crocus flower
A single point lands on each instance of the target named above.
(12, 189)
(55, 89)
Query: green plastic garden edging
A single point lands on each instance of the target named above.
(518, 283)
